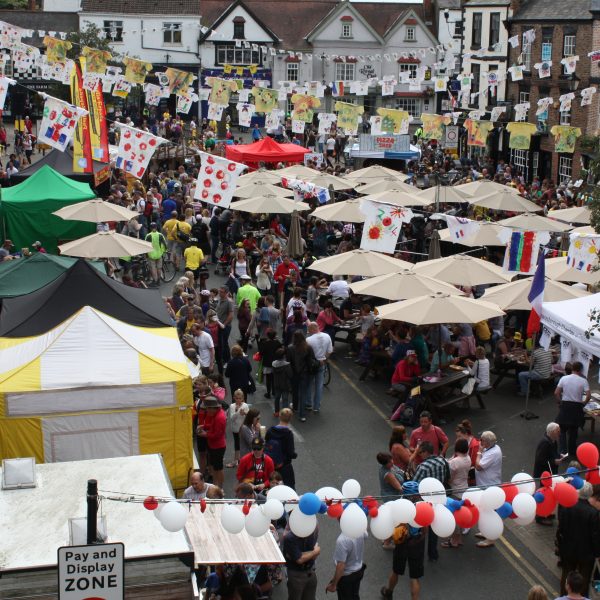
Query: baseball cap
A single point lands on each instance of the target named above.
(411, 353)
(245, 276)
(257, 443)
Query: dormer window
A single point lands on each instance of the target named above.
(238, 28)
(346, 30)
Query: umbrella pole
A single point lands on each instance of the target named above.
(527, 414)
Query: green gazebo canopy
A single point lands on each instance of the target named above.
(27, 208)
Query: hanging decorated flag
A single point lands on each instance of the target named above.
(477, 132)
(95, 60)
(433, 126)
(266, 100)
(272, 119)
(59, 121)
(383, 224)
(97, 119)
(304, 190)
(220, 90)
(522, 248)
(326, 121)
(348, 116)
(185, 101)
(179, 81)
(122, 87)
(136, 70)
(82, 149)
(153, 94)
(461, 228)
(136, 148)
(304, 106)
(5, 82)
(583, 252)
(217, 179)
(337, 89)
(245, 114)
(56, 50)
(393, 120)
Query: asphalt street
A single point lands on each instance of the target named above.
(342, 442)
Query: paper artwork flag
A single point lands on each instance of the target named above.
(272, 119)
(298, 126)
(265, 99)
(536, 297)
(136, 148)
(586, 96)
(522, 250)
(95, 60)
(496, 112)
(10, 35)
(392, 120)
(184, 103)
(375, 122)
(122, 87)
(5, 82)
(304, 106)
(245, 114)
(179, 81)
(383, 223)
(56, 50)
(59, 122)
(433, 126)
(24, 56)
(477, 132)
(387, 87)
(544, 69)
(326, 121)
(217, 179)
(220, 91)
(153, 94)
(565, 138)
(348, 116)
(461, 228)
(570, 63)
(305, 190)
(136, 70)
(215, 112)
(583, 252)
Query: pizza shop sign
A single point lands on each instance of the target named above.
(384, 143)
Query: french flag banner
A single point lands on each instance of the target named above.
(461, 228)
(536, 297)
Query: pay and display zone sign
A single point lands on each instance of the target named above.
(91, 572)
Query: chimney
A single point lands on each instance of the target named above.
(515, 5)
(428, 12)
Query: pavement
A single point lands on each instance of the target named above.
(342, 442)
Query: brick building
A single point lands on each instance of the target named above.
(561, 29)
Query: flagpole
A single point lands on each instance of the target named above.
(527, 414)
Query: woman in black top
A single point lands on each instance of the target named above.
(239, 372)
(301, 357)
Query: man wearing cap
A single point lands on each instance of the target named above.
(406, 375)
(37, 246)
(256, 466)
(159, 247)
(194, 258)
(247, 291)
(213, 430)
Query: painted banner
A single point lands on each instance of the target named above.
(217, 179)
(461, 228)
(82, 150)
(56, 50)
(393, 121)
(59, 121)
(522, 248)
(383, 224)
(179, 81)
(136, 148)
(265, 99)
(136, 70)
(583, 252)
(348, 116)
(97, 118)
(304, 106)
(95, 60)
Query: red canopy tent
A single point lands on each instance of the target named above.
(266, 150)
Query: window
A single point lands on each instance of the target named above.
(346, 30)
(524, 97)
(113, 30)
(411, 105)
(476, 76)
(535, 163)
(409, 68)
(565, 168)
(520, 159)
(569, 45)
(292, 71)
(526, 54)
(411, 34)
(230, 54)
(238, 30)
(547, 43)
(344, 71)
(6, 66)
(458, 29)
(476, 31)
(565, 117)
(172, 33)
(494, 28)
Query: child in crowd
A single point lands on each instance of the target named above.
(236, 413)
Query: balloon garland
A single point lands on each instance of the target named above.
(488, 507)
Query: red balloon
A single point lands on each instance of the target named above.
(463, 517)
(547, 506)
(150, 503)
(335, 511)
(546, 479)
(593, 477)
(565, 494)
(202, 505)
(373, 512)
(587, 455)
(474, 516)
(246, 508)
(425, 514)
(510, 490)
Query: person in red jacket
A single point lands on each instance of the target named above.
(282, 272)
(256, 466)
(214, 432)
(405, 375)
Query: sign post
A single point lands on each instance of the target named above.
(93, 572)
(451, 136)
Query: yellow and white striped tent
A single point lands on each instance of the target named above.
(95, 387)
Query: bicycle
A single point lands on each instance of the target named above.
(326, 373)
(168, 270)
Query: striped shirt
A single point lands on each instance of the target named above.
(542, 362)
(434, 466)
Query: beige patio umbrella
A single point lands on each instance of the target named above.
(262, 176)
(385, 184)
(558, 269)
(347, 211)
(269, 203)
(447, 195)
(398, 198)
(439, 308)
(294, 246)
(403, 285)
(328, 181)
(575, 214)
(434, 251)
(585, 230)
(95, 211)
(252, 190)
(532, 222)
(375, 173)
(506, 200)
(297, 172)
(360, 262)
(105, 244)
(486, 236)
(513, 296)
(482, 187)
(462, 269)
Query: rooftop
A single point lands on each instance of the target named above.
(173, 7)
(554, 10)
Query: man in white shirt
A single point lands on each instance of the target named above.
(488, 470)
(322, 347)
(349, 567)
(338, 288)
(198, 489)
(572, 393)
(206, 349)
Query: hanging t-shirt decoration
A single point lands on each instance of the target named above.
(565, 102)
(304, 106)
(220, 90)
(521, 111)
(136, 148)
(516, 72)
(348, 116)
(522, 248)
(56, 50)
(583, 252)
(433, 126)
(185, 101)
(393, 120)
(95, 60)
(565, 138)
(496, 112)
(273, 119)
(136, 70)
(153, 94)
(477, 132)
(587, 95)
(245, 113)
(326, 121)
(543, 105)
(265, 99)
(570, 63)
(217, 179)
(387, 87)
(24, 57)
(383, 223)
(59, 122)
(520, 135)
(179, 81)
(5, 82)
(544, 69)
(461, 228)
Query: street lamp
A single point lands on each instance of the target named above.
(573, 82)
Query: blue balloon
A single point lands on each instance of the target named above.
(452, 504)
(505, 510)
(577, 482)
(571, 471)
(538, 497)
(309, 503)
(323, 508)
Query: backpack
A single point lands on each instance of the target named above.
(273, 449)
(408, 412)
(148, 208)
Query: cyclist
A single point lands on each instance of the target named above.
(159, 247)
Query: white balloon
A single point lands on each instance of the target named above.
(329, 493)
(158, 510)
(443, 523)
(490, 524)
(273, 509)
(524, 506)
(492, 498)
(382, 526)
(173, 516)
(432, 490)
(351, 489)
(525, 488)
(257, 523)
(302, 525)
(403, 511)
(522, 521)
(232, 519)
(472, 494)
(283, 493)
(557, 479)
(353, 521)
